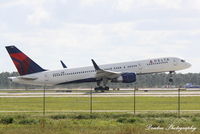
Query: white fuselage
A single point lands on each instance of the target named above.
(87, 74)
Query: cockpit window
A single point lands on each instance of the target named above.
(182, 60)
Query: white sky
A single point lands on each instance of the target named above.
(107, 30)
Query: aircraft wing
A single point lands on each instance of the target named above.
(100, 73)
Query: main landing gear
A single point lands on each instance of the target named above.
(102, 89)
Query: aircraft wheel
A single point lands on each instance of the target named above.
(99, 89)
(107, 88)
(171, 80)
(96, 89)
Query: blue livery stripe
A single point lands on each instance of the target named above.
(79, 81)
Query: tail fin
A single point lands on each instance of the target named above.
(22, 62)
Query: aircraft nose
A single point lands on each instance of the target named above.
(188, 65)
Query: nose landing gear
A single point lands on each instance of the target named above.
(171, 80)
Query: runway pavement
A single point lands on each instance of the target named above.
(87, 93)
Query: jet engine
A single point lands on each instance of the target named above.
(126, 78)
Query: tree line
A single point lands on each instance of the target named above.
(144, 81)
(162, 80)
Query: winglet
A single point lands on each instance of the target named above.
(63, 64)
(95, 65)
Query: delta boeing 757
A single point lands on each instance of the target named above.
(125, 72)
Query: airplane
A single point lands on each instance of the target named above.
(124, 72)
(190, 85)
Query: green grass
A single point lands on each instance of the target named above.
(97, 123)
(62, 122)
(99, 103)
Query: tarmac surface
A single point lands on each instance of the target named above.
(112, 93)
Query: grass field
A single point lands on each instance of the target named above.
(98, 103)
(97, 123)
(59, 121)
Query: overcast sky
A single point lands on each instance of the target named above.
(107, 30)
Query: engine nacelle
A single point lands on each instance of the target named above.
(126, 78)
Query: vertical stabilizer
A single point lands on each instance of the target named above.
(22, 62)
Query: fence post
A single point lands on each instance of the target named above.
(179, 101)
(91, 101)
(44, 106)
(134, 98)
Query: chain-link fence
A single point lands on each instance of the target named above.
(134, 101)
